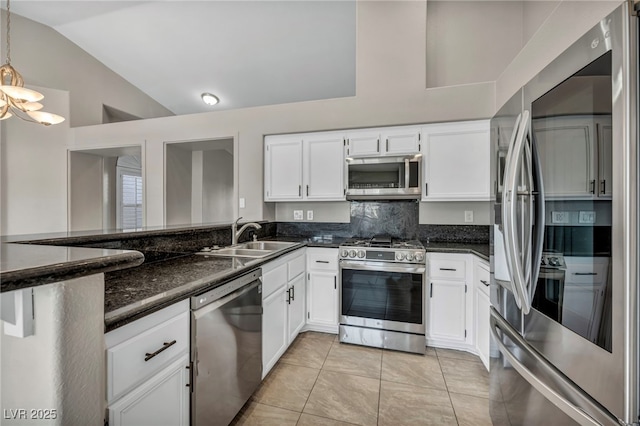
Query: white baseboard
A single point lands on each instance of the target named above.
(322, 328)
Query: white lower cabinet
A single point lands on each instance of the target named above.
(447, 311)
(449, 302)
(162, 400)
(148, 369)
(322, 298)
(283, 305)
(482, 280)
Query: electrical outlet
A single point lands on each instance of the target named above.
(559, 217)
(297, 215)
(242, 203)
(468, 215)
(587, 217)
(309, 214)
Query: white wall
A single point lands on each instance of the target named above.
(45, 58)
(33, 172)
(86, 197)
(62, 365)
(217, 189)
(178, 185)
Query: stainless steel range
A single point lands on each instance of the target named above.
(382, 284)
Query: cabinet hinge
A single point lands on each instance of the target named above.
(465, 290)
(419, 147)
(419, 135)
(465, 334)
(308, 315)
(344, 142)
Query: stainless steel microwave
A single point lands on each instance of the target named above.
(383, 178)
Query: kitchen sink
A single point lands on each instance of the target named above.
(266, 245)
(252, 249)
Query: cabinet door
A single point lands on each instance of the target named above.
(447, 310)
(324, 167)
(274, 328)
(162, 400)
(401, 140)
(323, 298)
(604, 158)
(363, 143)
(283, 169)
(456, 161)
(567, 155)
(482, 326)
(297, 304)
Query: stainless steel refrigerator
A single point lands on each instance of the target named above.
(564, 259)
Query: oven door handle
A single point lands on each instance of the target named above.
(377, 266)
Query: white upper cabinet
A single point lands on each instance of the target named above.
(576, 154)
(304, 167)
(456, 161)
(363, 143)
(283, 168)
(401, 140)
(324, 166)
(383, 141)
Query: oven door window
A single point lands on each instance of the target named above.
(388, 296)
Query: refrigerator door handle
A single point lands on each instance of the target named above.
(510, 216)
(506, 199)
(540, 216)
(560, 401)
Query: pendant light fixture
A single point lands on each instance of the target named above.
(14, 98)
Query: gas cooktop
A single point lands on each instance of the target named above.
(382, 249)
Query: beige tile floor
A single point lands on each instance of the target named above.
(320, 381)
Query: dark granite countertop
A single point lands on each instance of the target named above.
(132, 294)
(479, 249)
(24, 266)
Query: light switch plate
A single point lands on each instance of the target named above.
(297, 215)
(309, 214)
(559, 217)
(242, 203)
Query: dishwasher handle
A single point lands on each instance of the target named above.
(224, 290)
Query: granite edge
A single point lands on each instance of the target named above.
(48, 274)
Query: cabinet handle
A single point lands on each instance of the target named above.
(378, 146)
(165, 346)
(289, 296)
(603, 187)
(299, 190)
(387, 145)
(426, 189)
(322, 261)
(293, 293)
(593, 186)
(585, 273)
(448, 269)
(484, 282)
(431, 290)
(335, 282)
(307, 190)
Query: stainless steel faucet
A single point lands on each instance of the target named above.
(235, 232)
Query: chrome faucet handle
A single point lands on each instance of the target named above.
(238, 220)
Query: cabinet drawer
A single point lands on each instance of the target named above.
(447, 268)
(323, 259)
(296, 266)
(482, 277)
(586, 274)
(130, 362)
(273, 280)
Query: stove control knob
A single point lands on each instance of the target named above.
(419, 257)
(360, 254)
(352, 253)
(553, 261)
(409, 257)
(399, 255)
(345, 253)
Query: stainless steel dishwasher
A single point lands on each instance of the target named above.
(226, 349)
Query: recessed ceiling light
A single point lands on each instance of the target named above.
(209, 99)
